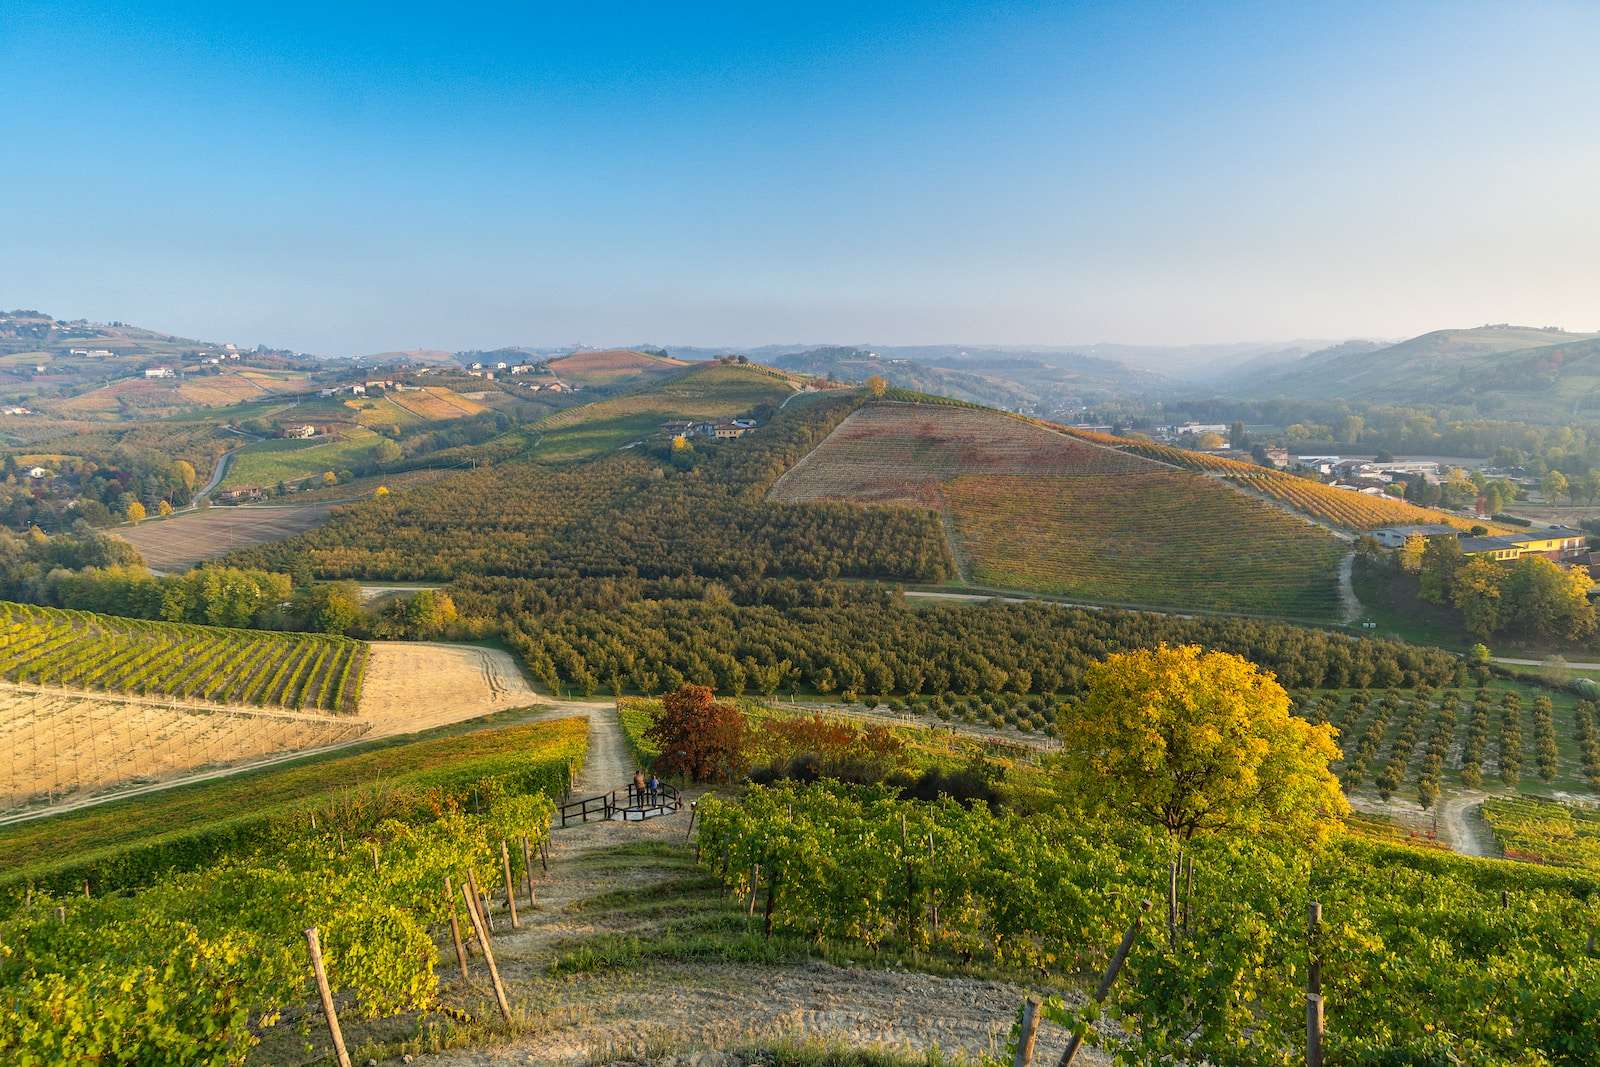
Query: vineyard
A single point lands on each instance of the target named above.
(58, 746)
(1354, 511)
(904, 452)
(1165, 538)
(435, 403)
(1034, 508)
(1543, 831)
(195, 965)
(1341, 507)
(1422, 958)
(83, 650)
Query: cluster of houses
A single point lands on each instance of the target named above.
(721, 430)
(1560, 543)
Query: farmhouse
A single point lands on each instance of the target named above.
(158, 372)
(1558, 543)
(38, 473)
(300, 433)
(1396, 536)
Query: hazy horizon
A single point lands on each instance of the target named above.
(371, 179)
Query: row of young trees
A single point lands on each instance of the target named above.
(875, 645)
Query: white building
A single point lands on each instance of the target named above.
(158, 372)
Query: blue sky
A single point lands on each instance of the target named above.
(384, 176)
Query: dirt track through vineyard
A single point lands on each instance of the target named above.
(701, 1005)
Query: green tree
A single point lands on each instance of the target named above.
(1476, 595)
(1238, 437)
(430, 613)
(1441, 558)
(1555, 485)
(1408, 557)
(1196, 742)
(1546, 601)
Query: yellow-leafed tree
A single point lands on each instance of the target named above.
(1198, 742)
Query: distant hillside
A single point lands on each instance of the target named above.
(1509, 370)
(612, 366)
(997, 377)
(412, 355)
(703, 391)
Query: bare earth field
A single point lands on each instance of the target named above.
(63, 745)
(178, 543)
(62, 748)
(415, 685)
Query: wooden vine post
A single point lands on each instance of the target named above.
(755, 880)
(1313, 985)
(527, 869)
(1028, 1033)
(314, 947)
(511, 887)
(455, 926)
(480, 925)
(1121, 957)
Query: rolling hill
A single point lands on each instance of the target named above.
(1513, 371)
(1014, 379)
(703, 391)
(613, 366)
(1030, 508)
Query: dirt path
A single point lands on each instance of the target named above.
(650, 1008)
(1349, 603)
(1462, 818)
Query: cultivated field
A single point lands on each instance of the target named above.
(414, 685)
(1165, 538)
(904, 452)
(265, 463)
(83, 650)
(1034, 509)
(155, 395)
(180, 542)
(611, 366)
(435, 403)
(1338, 507)
(710, 392)
(61, 746)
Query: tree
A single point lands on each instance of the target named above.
(380, 492)
(1476, 594)
(877, 385)
(1198, 742)
(697, 736)
(1238, 437)
(1555, 485)
(1591, 485)
(1409, 555)
(386, 452)
(185, 472)
(1351, 428)
(163, 509)
(1440, 560)
(430, 612)
(329, 478)
(1543, 600)
(331, 608)
(135, 512)
(1207, 442)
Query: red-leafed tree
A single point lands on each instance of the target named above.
(698, 736)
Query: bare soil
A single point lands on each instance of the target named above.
(416, 685)
(60, 746)
(182, 541)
